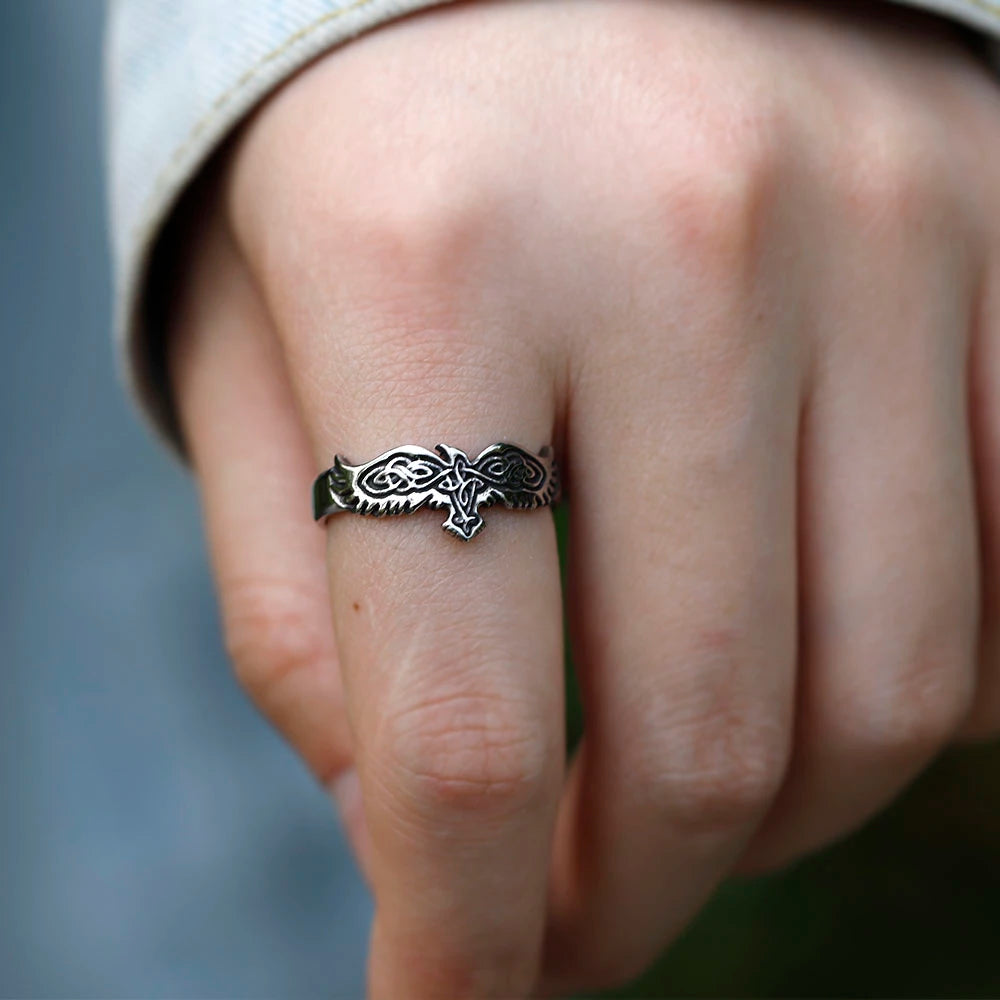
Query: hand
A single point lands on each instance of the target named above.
(740, 263)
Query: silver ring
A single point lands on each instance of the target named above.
(405, 479)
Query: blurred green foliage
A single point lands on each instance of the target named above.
(907, 907)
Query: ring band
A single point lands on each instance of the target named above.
(405, 479)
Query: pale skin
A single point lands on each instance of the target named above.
(740, 263)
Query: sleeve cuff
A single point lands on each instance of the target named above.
(181, 75)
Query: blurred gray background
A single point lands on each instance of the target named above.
(156, 838)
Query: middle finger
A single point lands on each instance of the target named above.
(683, 600)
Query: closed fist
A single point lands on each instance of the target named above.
(740, 264)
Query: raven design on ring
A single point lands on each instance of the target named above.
(408, 478)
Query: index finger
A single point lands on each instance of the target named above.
(451, 654)
(400, 325)
(451, 651)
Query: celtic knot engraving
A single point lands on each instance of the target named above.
(397, 474)
(405, 479)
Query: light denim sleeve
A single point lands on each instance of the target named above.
(181, 74)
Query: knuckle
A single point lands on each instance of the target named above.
(738, 773)
(413, 222)
(714, 198)
(271, 634)
(418, 232)
(405, 201)
(392, 253)
(717, 771)
(708, 207)
(405, 254)
(464, 752)
(917, 710)
(886, 173)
